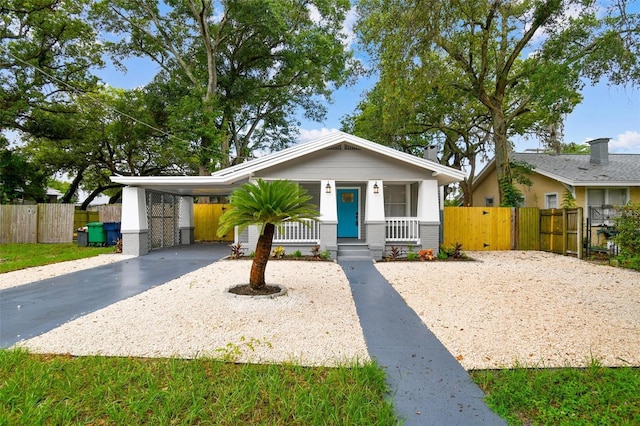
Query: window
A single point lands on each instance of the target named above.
(395, 200)
(601, 203)
(488, 201)
(551, 200)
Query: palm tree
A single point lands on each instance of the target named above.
(267, 204)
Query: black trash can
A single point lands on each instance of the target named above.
(112, 230)
(83, 239)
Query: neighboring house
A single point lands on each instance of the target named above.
(369, 197)
(52, 196)
(597, 182)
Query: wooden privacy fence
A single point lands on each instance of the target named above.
(205, 222)
(504, 228)
(49, 223)
(107, 213)
(38, 223)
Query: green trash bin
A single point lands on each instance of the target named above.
(97, 235)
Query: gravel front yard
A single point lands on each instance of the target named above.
(533, 308)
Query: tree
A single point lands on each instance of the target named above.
(239, 68)
(46, 51)
(107, 133)
(522, 61)
(20, 179)
(267, 204)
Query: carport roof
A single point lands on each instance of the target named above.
(224, 181)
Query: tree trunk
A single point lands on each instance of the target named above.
(502, 149)
(261, 257)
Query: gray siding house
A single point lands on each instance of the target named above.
(370, 197)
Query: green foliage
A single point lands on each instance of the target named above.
(325, 255)
(568, 201)
(50, 389)
(297, 254)
(628, 238)
(594, 395)
(511, 195)
(412, 255)
(20, 179)
(47, 49)
(267, 202)
(454, 251)
(234, 90)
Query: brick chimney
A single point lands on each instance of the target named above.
(600, 151)
(431, 153)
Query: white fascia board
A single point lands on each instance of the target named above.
(167, 180)
(331, 140)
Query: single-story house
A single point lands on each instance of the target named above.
(369, 197)
(597, 181)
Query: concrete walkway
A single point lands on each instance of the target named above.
(32, 309)
(427, 385)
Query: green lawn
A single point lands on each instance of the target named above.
(20, 256)
(37, 389)
(565, 396)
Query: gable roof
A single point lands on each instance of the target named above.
(224, 180)
(444, 174)
(578, 170)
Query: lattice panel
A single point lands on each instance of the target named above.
(162, 217)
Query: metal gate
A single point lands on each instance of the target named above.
(163, 219)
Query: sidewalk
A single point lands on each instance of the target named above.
(427, 385)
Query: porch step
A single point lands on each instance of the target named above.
(353, 251)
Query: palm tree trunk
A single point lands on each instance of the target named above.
(261, 257)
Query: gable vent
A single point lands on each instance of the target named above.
(343, 147)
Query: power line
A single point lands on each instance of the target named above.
(98, 101)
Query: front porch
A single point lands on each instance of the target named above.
(371, 232)
(399, 231)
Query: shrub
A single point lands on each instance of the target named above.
(278, 252)
(297, 254)
(628, 224)
(426, 254)
(237, 251)
(628, 238)
(394, 253)
(412, 255)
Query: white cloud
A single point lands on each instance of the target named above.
(307, 135)
(627, 142)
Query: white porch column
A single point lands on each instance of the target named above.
(185, 220)
(429, 214)
(328, 217)
(134, 226)
(374, 218)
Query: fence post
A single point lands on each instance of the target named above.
(580, 231)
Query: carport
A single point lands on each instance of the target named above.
(157, 211)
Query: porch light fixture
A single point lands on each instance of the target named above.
(327, 188)
(376, 188)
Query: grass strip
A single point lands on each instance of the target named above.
(564, 396)
(52, 389)
(19, 256)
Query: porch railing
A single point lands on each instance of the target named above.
(296, 232)
(402, 229)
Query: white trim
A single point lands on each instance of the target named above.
(546, 200)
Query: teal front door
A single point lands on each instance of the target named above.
(347, 213)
